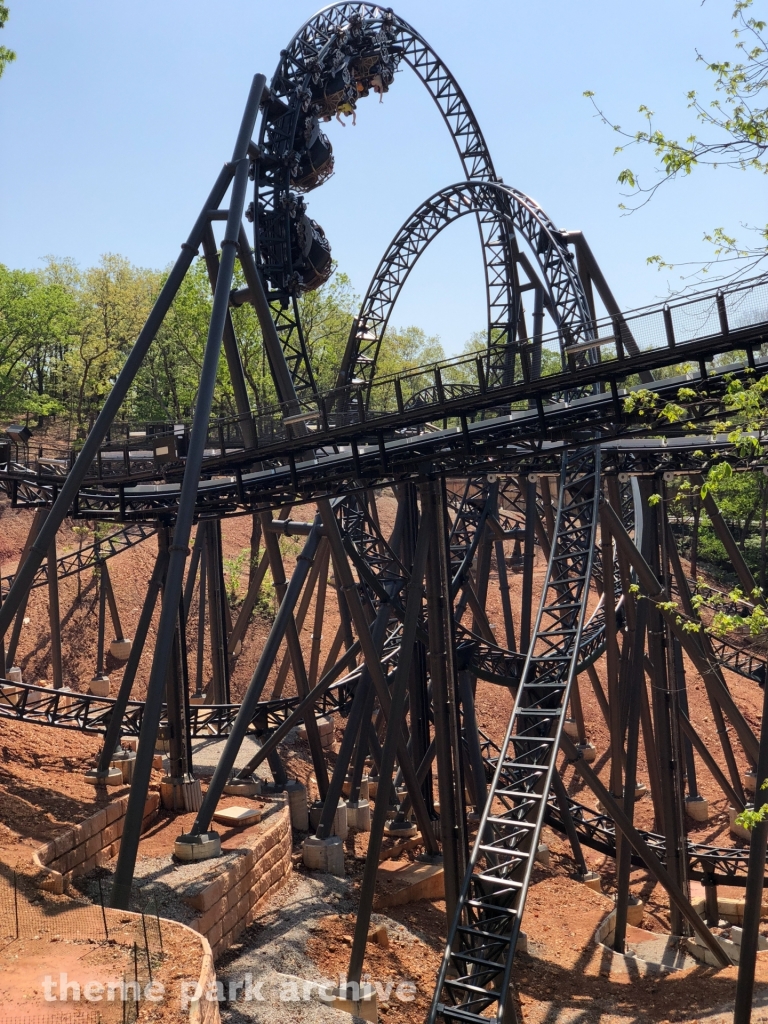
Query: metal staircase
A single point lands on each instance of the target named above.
(475, 974)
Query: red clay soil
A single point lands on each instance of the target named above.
(42, 789)
(27, 963)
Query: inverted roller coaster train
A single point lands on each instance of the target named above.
(528, 444)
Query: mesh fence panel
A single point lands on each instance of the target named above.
(27, 913)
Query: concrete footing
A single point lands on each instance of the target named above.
(360, 1001)
(124, 765)
(697, 807)
(400, 829)
(326, 729)
(401, 883)
(121, 649)
(244, 787)
(13, 675)
(543, 855)
(10, 694)
(324, 854)
(750, 781)
(297, 805)
(180, 793)
(737, 830)
(197, 847)
(359, 815)
(339, 827)
(588, 751)
(570, 728)
(364, 1008)
(272, 789)
(99, 686)
(110, 777)
(364, 791)
(635, 911)
(591, 879)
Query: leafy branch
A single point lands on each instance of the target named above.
(736, 124)
(6, 55)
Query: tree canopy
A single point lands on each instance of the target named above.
(65, 333)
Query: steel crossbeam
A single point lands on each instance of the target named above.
(74, 562)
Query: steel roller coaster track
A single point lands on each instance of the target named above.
(473, 439)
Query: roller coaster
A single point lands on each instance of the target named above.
(549, 439)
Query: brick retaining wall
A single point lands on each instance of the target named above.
(225, 907)
(229, 904)
(91, 844)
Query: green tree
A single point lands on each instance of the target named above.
(114, 299)
(6, 55)
(37, 320)
(166, 385)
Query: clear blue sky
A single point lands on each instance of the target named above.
(116, 117)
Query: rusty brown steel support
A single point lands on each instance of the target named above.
(636, 685)
(317, 628)
(653, 589)
(599, 693)
(442, 665)
(651, 755)
(669, 768)
(425, 542)
(549, 511)
(54, 616)
(643, 851)
(706, 646)
(301, 614)
(506, 603)
(10, 654)
(293, 644)
(348, 591)
(612, 664)
(114, 614)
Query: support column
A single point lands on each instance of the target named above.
(529, 552)
(179, 552)
(34, 530)
(293, 643)
(216, 598)
(425, 543)
(54, 617)
(349, 591)
(199, 833)
(178, 790)
(442, 665)
(753, 896)
(112, 736)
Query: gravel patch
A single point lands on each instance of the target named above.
(273, 952)
(274, 948)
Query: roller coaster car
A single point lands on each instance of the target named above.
(334, 93)
(314, 157)
(310, 253)
(372, 73)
